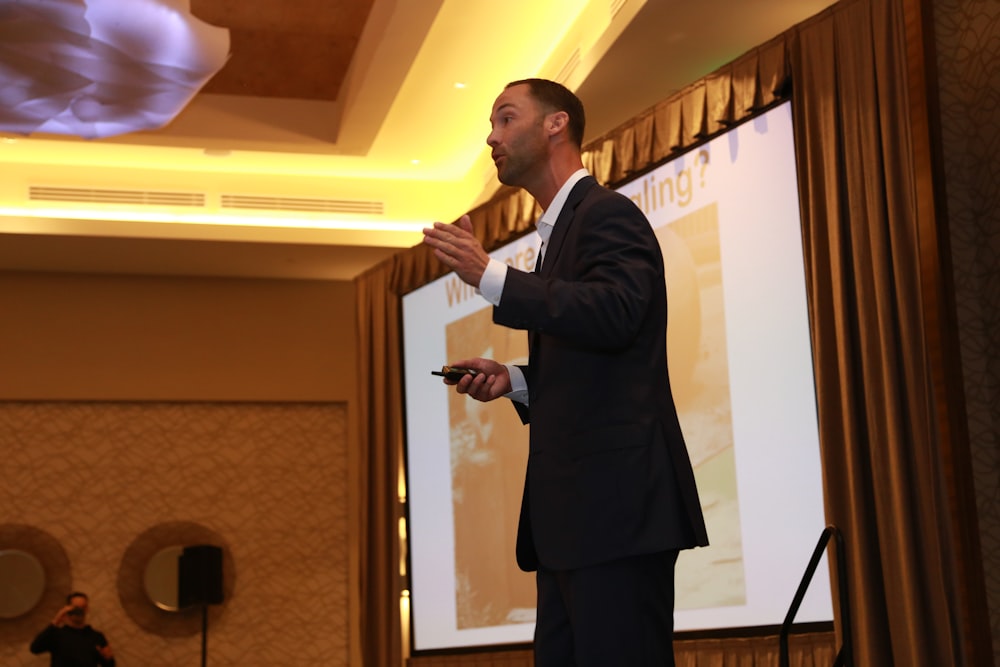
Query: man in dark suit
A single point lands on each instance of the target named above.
(609, 496)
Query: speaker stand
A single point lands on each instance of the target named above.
(204, 635)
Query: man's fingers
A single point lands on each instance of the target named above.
(465, 222)
(483, 389)
(473, 386)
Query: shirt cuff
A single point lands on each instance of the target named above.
(492, 282)
(518, 385)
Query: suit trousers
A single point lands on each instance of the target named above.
(616, 614)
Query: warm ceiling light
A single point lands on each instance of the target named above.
(98, 68)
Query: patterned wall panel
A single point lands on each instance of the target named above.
(270, 479)
(968, 44)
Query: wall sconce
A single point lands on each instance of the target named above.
(99, 68)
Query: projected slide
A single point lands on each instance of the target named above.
(727, 218)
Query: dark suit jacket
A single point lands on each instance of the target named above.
(608, 472)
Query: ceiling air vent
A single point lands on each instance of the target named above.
(101, 196)
(302, 205)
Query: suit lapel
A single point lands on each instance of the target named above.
(564, 222)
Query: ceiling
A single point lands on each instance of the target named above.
(337, 129)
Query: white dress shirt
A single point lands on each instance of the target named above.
(492, 282)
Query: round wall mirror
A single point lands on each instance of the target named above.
(160, 579)
(22, 582)
(149, 581)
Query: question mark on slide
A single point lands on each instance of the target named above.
(703, 159)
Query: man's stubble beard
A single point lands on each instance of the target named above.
(525, 154)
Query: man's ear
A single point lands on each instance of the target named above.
(556, 122)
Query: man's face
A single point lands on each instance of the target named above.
(520, 145)
(77, 619)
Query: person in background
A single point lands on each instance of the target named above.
(609, 497)
(71, 641)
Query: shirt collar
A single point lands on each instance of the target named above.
(551, 214)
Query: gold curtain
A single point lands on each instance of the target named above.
(895, 457)
(895, 452)
(374, 470)
(805, 650)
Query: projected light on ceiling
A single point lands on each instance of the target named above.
(100, 68)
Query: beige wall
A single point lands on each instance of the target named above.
(133, 402)
(76, 337)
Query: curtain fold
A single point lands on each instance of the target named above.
(890, 476)
(693, 105)
(719, 90)
(375, 466)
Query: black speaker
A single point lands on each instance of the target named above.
(199, 576)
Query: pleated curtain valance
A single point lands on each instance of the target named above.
(697, 112)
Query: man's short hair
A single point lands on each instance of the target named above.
(76, 594)
(557, 97)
